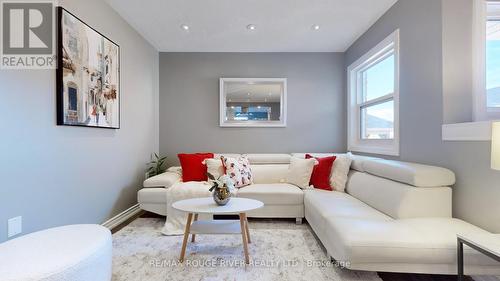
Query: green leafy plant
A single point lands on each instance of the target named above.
(156, 166)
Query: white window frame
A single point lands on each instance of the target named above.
(481, 110)
(388, 46)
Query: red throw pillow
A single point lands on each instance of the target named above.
(320, 177)
(192, 167)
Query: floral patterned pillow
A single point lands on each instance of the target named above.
(238, 169)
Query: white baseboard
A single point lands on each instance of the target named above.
(122, 217)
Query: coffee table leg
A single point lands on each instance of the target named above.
(246, 229)
(244, 236)
(186, 236)
(193, 235)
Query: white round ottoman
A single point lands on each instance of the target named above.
(68, 253)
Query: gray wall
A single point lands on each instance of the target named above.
(457, 61)
(189, 102)
(425, 76)
(54, 175)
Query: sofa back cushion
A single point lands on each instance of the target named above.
(358, 161)
(397, 199)
(260, 158)
(414, 174)
(266, 167)
(269, 158)
(313, 154)
(231, 155)
(269, 173)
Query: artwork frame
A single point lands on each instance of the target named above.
(88, 92)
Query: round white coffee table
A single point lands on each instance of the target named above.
(207, 205)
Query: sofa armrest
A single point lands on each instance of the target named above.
(166, 180)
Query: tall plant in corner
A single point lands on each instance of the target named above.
(156, 165)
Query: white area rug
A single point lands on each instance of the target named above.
(280, 250)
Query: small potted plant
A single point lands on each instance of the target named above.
(156, 166)
(221, 189)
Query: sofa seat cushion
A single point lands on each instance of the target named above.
(417, 241)
(319, 205)
(273, 194)
(339, 204)
(152, 195)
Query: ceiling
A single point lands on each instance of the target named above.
(280, 25)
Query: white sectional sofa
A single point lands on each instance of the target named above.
(281, 200)
(393, 217)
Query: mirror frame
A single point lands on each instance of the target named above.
(222, 104)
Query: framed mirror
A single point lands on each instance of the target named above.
(252, 102)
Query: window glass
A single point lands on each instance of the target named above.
(493, 63)
(377, 121)
(378, 80)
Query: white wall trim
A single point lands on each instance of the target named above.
(122, 217)
(470, 131)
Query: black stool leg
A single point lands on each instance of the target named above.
(460, 260)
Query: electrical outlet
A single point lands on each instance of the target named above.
(14, 226)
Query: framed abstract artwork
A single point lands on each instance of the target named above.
(88, 75)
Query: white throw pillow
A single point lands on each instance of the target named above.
(340, 171)
(299, 171)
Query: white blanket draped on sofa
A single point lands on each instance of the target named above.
(176, 220)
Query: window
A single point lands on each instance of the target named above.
(374, 99)
(487, 60)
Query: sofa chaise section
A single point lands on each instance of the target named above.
(417, 245)
(394, 217)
